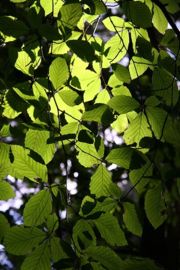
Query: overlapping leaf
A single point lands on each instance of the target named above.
(38, 208)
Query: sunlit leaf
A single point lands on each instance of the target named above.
(37, 141)
(37, 208)
(123, 104)
(25, 166)
(58, 72)
(100, 182)
(6, 191)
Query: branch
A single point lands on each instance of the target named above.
(168, 17)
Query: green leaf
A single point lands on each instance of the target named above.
(24, 63)
(37, 208)
(5, 164)
(156, 118)
(25, 166)
(138, 13)
(70, 14)
(106, 224)
(39, 259)
(12, 27)
(57, 252)
(70, 97)
(99, 113)
(82, 49)
(18, 1)
(52, 222)
(51, 6)
(159, 20)
(113, 23)
(141, 177)
(131, 220)
(20, 240)
(116, 47)
(4, 225)
(138, 129)
(121, 156)
(100, 182)
(99, 7)
(155, 206)
(6, 191)
(120, 124)
(105, 256)
(37, 141)
(83, 235)
(138, 66)
(123, 104)
(165, 86)
(122, 73)
(88, 155)
(58, 72)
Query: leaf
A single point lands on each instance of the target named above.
(50, 7)
(37, 208)
(138, 129)
(70, 97)
(82, 49)
(20, 240)
(11, 26)
(37, 141)
(165, 86)
(138, 66)
(131, 220)
(4, 225)
(58, 72)
(99, 113)
(57, 252)
(52, 222)
(24, 63)
(39, 259)
(70, 14)
(120, 124)
(18, 1)
(113, 23)
(88, 155)
(99, 7)
(105, 256)
(122, 73)
(141, 177)
(83, 235)
(116, 47)
(123, 104)
(100, 182)
(106, 224)
(156, 118)
(25, 166)
(121, 156)
(159, 20)
(155, 206)
(138, 13)
(6, 191)
(4, 160)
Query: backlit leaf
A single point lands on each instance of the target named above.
(58, 72)
(20, 240)
(100, 182)
(37, 208)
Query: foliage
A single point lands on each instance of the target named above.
(71, 71)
